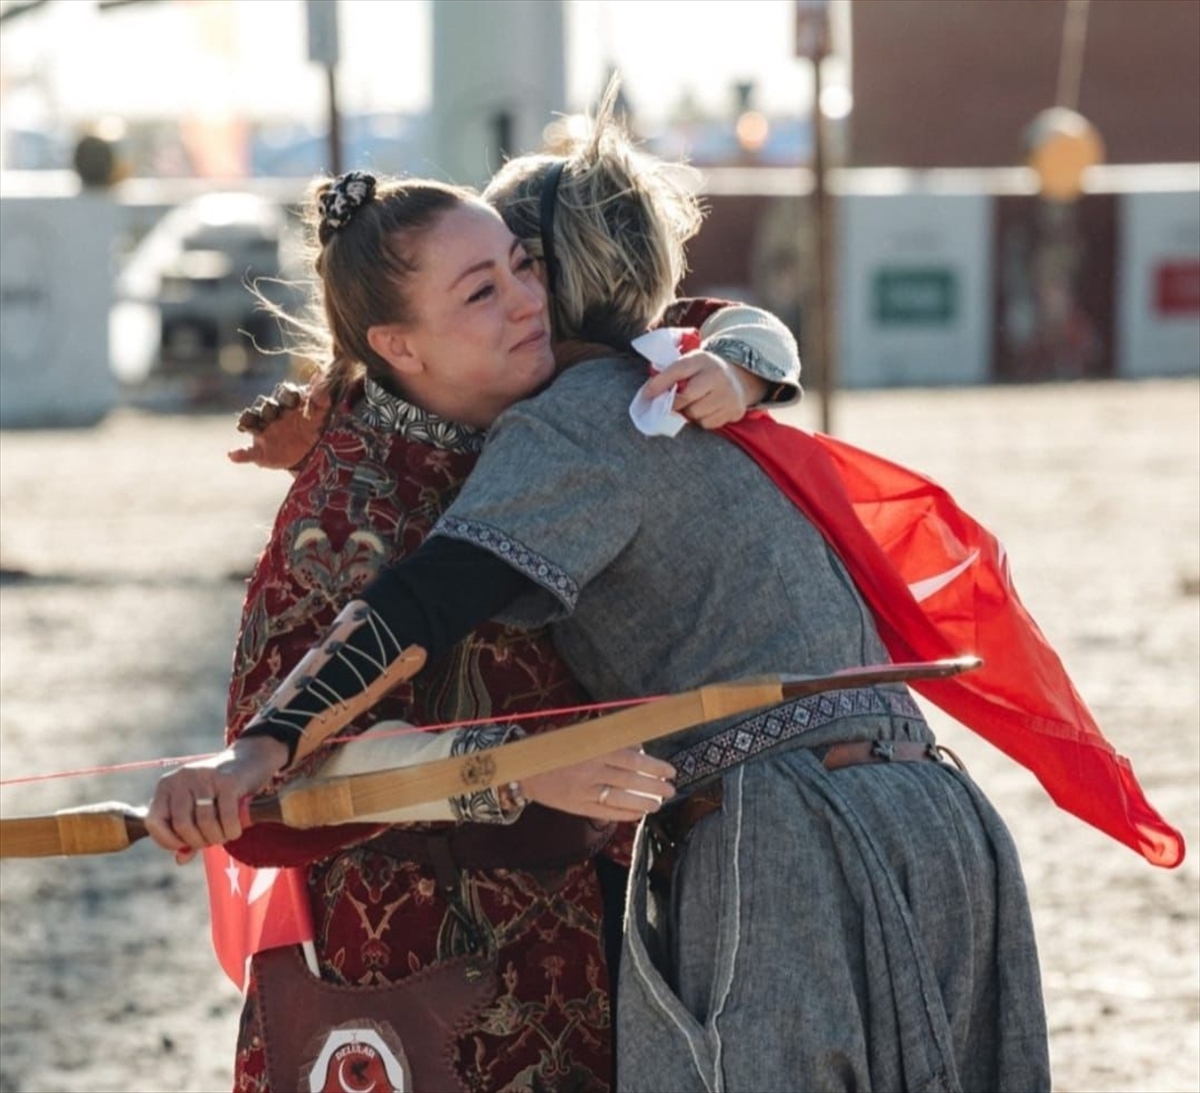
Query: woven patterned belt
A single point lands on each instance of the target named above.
(784, 724)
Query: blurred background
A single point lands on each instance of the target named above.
(930, 192)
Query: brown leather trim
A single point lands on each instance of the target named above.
(854, 752)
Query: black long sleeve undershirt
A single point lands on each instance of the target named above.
(433, 599)
(441, 592)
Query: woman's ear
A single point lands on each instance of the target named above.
(391, 342)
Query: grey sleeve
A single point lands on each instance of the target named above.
(550, 497)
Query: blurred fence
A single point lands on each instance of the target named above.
(967, 276)
(948, 277)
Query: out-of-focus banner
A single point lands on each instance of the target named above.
(1158, 284)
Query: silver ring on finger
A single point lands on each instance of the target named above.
(205, 802)
(604, 792)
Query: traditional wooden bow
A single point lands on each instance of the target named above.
(113, 825)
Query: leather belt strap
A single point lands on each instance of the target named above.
(673, 823)
(853, 752)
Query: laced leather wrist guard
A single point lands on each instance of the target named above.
(358, 661)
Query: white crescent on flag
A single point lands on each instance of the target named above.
(261, 885)
(923, 589)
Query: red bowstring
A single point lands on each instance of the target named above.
(406, 730)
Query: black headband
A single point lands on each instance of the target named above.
(546, 227)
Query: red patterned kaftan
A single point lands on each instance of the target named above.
(368, 493)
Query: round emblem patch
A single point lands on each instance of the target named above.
(358, 1060)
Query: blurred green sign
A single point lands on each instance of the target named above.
(915, 296)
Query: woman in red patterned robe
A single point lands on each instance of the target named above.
(368, 493)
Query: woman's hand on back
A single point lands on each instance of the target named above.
(283, 426)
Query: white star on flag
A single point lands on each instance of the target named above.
(253, 910)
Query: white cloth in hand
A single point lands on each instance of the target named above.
(654, 416)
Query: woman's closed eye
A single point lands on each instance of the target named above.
(523, 265)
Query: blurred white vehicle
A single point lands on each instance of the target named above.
(183, 303)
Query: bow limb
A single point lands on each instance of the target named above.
(341, 800)
(349, 798)
(102, 828)
(114, 826)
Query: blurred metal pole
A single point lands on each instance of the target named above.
(335, 122)
(1070, 58)
(813, 43)
(323, 50)
(821, 215)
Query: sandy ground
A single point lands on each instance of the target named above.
(135, 537)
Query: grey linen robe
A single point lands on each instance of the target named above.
(863, 928)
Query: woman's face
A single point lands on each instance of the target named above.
(480, 337)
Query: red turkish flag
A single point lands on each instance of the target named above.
(938, 585)
(253, 910)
